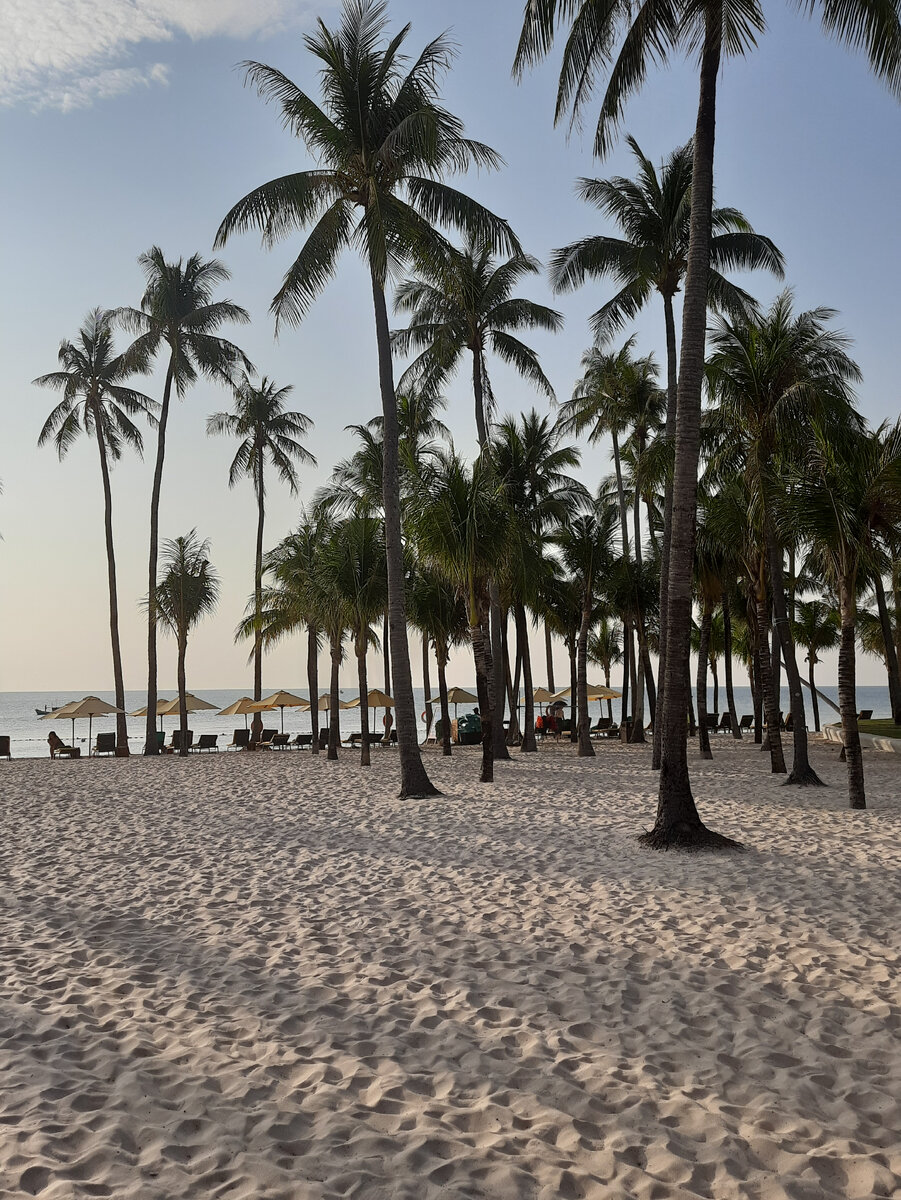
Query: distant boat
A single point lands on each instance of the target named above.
(42, 712)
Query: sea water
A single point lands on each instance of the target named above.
(28, 733)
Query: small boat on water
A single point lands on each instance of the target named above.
(42, 712)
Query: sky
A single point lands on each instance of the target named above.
(125, 124)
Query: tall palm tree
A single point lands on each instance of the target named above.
(354, 575)
(178, 316)
(461, 303)
(383, 143)
(816, 628)
(848, 494)
(270, 434)
(187, 591)
(643, 35)
(771, 380)
(96, 401)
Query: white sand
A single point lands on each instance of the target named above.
(261, 976)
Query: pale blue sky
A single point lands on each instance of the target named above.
(124, 124)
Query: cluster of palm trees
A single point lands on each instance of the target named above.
(716, 508)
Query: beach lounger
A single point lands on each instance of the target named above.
(746, 723)
(323, 738)
(175, 744)
(240, 740)
(161, 740)
(265, 742)
(865, 714)
(725, 725)
(601, 727)
(281, 741)
(4, 747)
(207, 742)
(105, 744)
(713, 722)
(302, 740)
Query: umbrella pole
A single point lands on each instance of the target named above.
(90, 727)
(281, 709)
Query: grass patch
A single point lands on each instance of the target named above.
(884, 728)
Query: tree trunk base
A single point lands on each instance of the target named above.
(688, 836)
(859, 805)
(527, 747)
(806, 777)
(842, 757)
(707, 754)
(586, 752)
(123, 752)
(419, 788)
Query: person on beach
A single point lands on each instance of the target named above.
(56, 743)
(387, 721)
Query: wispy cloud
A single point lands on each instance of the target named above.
(70, 53)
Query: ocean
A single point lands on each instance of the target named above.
(28, 733)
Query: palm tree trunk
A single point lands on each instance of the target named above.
(714, 671)
(256, 724)
(847, 695)
(757, 691)
(478, 391)
(672, 387)
(549, 656)
(677, 822)
(334, 732)
(498, 680)
(637, 713)
(573, 689)
(637, 736)
(891, 656)
(426, 685)
(313, 682)
(512, 736)
(414, 780)
(441, 656)
(118, 679)
(528, 744)
(734, 723)
(514, 695)
(151, 744)
(481, 651)
(765, 673)
(586, 750)
(364, 698)
(386, 654)
(624, 702)
(701, 686)
(182, 693)
(802, 772)
(607, 686)
(811, 662)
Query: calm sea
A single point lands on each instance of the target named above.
(28, 733)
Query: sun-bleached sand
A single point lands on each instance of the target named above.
(263, 976)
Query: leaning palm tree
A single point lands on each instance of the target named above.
(383, 145)
(645, 34)
(270, 434)
(178, 316)
(353, 573)
(816, 628)
(96, 401)
(187, 591)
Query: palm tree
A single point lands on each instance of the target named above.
(354, 575)
(816, 628)
(462, 303)
(383, 144)
(459, 526)
(96, 401)
(178, 312)
(847, 496)
(771, 380)
(605, 648)
(533, 468)
(267, 433)
(440, 614)
(584, 544)
(646, 34)
(186, 592)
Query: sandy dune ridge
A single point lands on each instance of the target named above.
(263, 976)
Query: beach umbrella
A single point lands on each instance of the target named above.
(324, 703)
(281, 701)
(65, 711)
(240, 708)
(378, 699)
(457, 696)
(90, 707)
(162, 707)
(192, 704)
(541, 696)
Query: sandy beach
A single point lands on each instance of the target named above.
(263, 976)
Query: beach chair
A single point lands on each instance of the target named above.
(746, 723)
(612, 731)
(161, 739)
(713, 722)
(207, 742)
(303, 740)
(600, 729)
(4, 747)
(265, 742)
(280, 741)
(175, 744)
(725, 725)
(240, 740)
(105, 744)
(323, 738)
(788, 723)
(865, 714)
